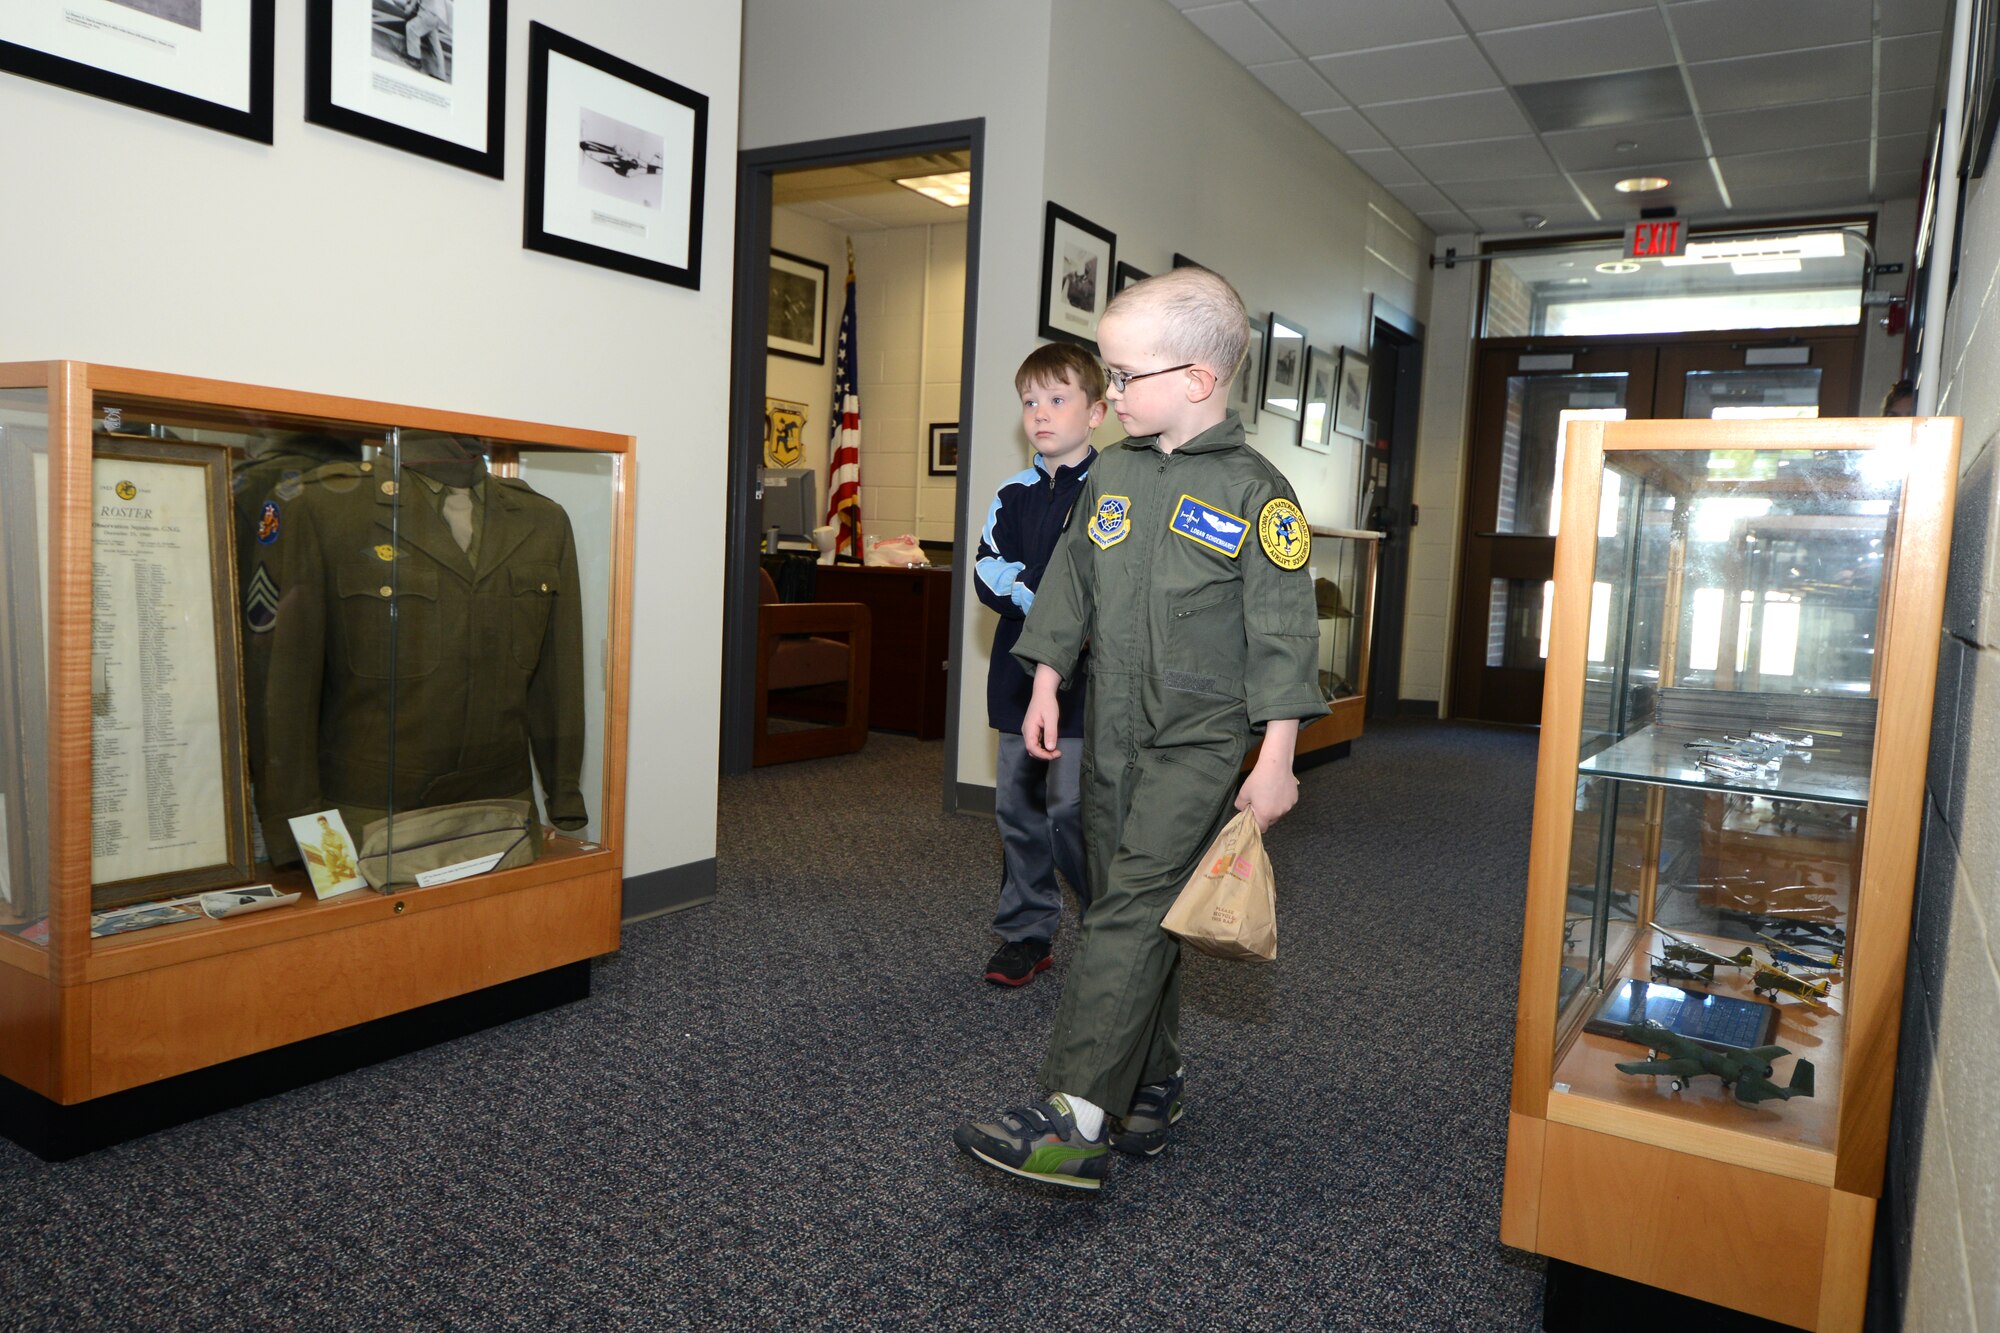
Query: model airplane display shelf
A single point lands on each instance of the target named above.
(1741, 659)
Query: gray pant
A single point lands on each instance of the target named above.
(1039, 807)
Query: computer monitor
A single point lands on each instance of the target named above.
(788, 502)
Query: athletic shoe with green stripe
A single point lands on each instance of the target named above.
(1040, 1142)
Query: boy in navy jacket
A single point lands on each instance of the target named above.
(1036, 802)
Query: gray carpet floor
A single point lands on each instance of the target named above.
(748, 1123)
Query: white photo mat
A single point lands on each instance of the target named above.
(455, 112)
(629, 225)
(210, 60)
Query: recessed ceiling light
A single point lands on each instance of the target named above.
(1625, 146)
(1533, 221)
(1641, 184)
(1618, 266)
(952, 189)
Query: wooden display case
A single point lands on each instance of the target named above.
(85, 1017)
(1715, 580)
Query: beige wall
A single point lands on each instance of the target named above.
(331, 264)
(909, 291)
(1944, 1164)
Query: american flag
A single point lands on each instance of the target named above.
(843, 507)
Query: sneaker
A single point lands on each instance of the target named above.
(1156, 1107)
(1040, 1142)
(1016, 962)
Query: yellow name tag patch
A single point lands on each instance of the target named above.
(1282, 532)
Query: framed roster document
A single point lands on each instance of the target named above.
(170, 787)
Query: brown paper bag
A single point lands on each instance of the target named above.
(1230, 905)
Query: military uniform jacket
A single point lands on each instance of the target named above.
(1197, 632)
(487, 665)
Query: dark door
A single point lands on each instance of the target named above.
(1811, 377)
(1524, 401)
(1388, 476)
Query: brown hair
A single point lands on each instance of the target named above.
(1052, 363)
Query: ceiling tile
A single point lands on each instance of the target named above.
(1237, 29)
(1840, 192)
(1486, 15)
(1633, 97)
(1449, 222)
(1906, 16)
(1693, 190)
(1386, 166)
(1901, 152)
(1298, 86)
(1455, 119)
(1793, 166)
(1898, 184)
(1448, 65)
(1576, 47)
(1318, 28)
(1345, 130)
(1801, 125)
(1483, 160)
(1721, 29)
(1598, 149)
(1911, 62)
(1559, 214)
(1817, 75)
(1907, 112)
(1421, 198)
(1539, 193)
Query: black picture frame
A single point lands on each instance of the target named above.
(77, 73)
(787, 272)
(1182, 261)
(1074, 291)
(1322, 382)
(1350, 395)
(944, 448)
(1284, 368)
(1246, 390)
(554, 213)
(325, 106)
(1127, 275)
(1982, 89)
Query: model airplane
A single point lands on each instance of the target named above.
(1790, 954)
(1683, 950)
(1746, 1073)
(1668, 969)
(611, 155)
(1771, 979)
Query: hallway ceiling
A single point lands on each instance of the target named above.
(1476, 112)
(864, 196)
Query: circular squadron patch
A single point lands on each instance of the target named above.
(126, 490)
(1282, 531)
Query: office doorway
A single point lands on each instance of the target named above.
(802, 211)
(1525, 394)
(1388, 476)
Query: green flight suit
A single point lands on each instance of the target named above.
(1192, 650)
(488, 661)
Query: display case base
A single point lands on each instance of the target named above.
(57, 1133)
(1576, 1299)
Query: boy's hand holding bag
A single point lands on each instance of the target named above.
(1230, 905)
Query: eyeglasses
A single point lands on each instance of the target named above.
(1118, 379)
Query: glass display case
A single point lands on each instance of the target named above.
(292, 681)
(1742, 657)
(1343, 570)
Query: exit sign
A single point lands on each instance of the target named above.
(1656, 239)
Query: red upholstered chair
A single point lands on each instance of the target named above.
(795, 655)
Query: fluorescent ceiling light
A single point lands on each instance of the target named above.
(952, 189)
(1619, 266)
(1641, 184)
(1745, 267)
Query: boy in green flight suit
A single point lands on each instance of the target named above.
(1184, 568)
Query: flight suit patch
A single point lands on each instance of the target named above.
(1205, 525)
(260, 602)
(1282, 531)
(385, 552)
(269, 523)
(1112, 523)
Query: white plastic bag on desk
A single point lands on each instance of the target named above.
(902, 550)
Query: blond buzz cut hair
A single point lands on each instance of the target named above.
(1200, 315)
(1052, 363)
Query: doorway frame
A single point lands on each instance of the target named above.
(747, 361)
(1390, 326)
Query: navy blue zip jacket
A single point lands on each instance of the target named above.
(1022, 524)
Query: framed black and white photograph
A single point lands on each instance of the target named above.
(1316, 417)
(1077, 260)
(944, 448)
(1350, 405)
(207, 62)
(1182, 261)
(1284, 368)
(616, 159)
(425, 76)
(1246, 390)
(1127, 275)
(798, 308)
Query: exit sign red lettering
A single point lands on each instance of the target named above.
(1655, 239)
